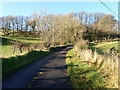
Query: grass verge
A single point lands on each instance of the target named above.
(83, 75)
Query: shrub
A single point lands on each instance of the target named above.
(81, 44)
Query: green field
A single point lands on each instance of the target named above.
(104, 47)
(7, 50)
(84, 75)
(108, 45)
(23, 39)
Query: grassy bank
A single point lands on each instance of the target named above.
(13, 64)
(83, 75)
(91, 68)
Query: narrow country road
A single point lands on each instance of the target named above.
(48, 72)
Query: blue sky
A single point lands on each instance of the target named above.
(27, 8)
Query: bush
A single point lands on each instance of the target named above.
(80, 45)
